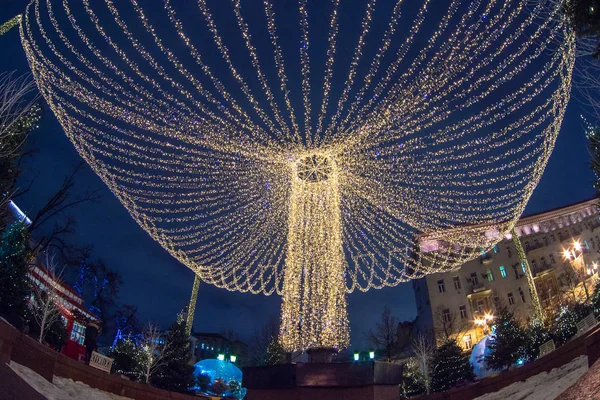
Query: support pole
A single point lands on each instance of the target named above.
(532, 289)
(192, 307)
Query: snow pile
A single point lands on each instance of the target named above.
(61, 388)
(543, 386)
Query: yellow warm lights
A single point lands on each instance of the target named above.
(310, 160)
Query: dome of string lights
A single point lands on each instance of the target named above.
(310, 149)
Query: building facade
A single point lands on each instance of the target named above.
(562, 247)
(210, 345)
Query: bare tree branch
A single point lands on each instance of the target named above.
(45, 297)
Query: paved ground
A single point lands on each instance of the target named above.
(586, 388)
(12, 387)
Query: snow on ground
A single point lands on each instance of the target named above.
(543, 386)
(61, 388)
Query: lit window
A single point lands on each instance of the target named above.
(502, 271)
(495, 248)
(533, 265)
(78, 333)
(463, 312)
(511, 299)
(490, 275)
(441, 286)
(552, 260)
(468, 342)
(456, 281)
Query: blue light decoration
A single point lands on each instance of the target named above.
(217, 369)
(520, 361)
(480, 350)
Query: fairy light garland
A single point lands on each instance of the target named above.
(421, 151)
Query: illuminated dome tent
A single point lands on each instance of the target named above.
(272, 152)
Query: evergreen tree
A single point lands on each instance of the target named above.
(566, 322)
(14, 284)
(507, 343)
(176, 374)
(450, 366)
(536, 335)
(128, 359)
(275, 353)
(593, 135)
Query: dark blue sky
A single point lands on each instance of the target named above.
(160, 286)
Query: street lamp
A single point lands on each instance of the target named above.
(575, 258)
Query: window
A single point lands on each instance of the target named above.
(514, 267)
(495, 248)
(473, 279)
(587, 246)
(441, 286)
(502, 271)
(511, 299)
(537, 243)
(456, 281)
(490, 275)
(527, 247)
(552, 260)
(509, 251)
(463, 312)
(553, 238)
(522, 295)
(543, 262)
(468, 342)
(446, 315)
(546, 241)
(481, 306)
(78, 333)
(533, 266)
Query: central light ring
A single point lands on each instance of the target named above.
(316, 167)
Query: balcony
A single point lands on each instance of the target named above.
(486, 258)
(477, 287)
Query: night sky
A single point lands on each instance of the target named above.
(160, 286)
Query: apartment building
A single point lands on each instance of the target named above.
(458, 303)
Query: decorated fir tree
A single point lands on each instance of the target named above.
(14, 285)
(450, 367)
(536, 334)
(275, 354)
(176, 374)
(128, 359)
(593, 135)
(507, 342)
(566, 322)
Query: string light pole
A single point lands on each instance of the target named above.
(232, 168)
(539, 312)
(192, 307)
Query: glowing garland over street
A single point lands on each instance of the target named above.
(308, 149)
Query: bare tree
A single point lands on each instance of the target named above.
(18, 95)
(264, 342)
(384, 338)
(55, 210)
(154, 347)
(45, 298)
(423, 348)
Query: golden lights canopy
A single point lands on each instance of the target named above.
(309, 149)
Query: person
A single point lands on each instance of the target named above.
(91, 333)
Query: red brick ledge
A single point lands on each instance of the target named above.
(48, 363)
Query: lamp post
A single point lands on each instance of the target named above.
(575, 257)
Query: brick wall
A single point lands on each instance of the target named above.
(48, 363)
